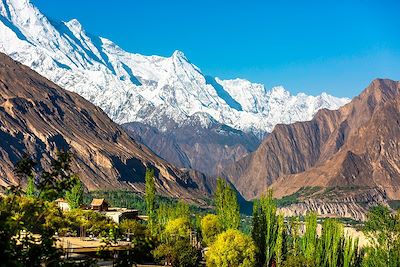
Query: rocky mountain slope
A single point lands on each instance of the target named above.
(149, 89)
(207, 148)
(38, 117)
(354, 147)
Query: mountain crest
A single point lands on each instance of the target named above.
(132, 87)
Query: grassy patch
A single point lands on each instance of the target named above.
(296, 197)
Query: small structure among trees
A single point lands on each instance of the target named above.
(99, 204)
(63, 204)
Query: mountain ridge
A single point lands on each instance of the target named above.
(330, 149)
(131, 87)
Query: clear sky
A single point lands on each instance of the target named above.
(310, 46)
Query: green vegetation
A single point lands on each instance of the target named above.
(74, 196)
(30, 220)
(279, 244)
(226, 206)
(150, 198)
(176, 232)
(295, 197)
(394, 204)
(383, 230)
(210, 228)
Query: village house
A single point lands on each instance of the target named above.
(116, 214)
(63, 204)
(99, 204)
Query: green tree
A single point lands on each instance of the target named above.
(74, 196)
(210, 228)
(54, 183)
(294, 237)
(268, 207)
(231, 248)
(180, 254)
(28, 224)
(142, 240)
(350, 252)
(329, 247)
(177, 229)
(309, 240)
(150, 198)
(280, 242)
(258, 232)
(226, 205)
(30, 188)
(24, 171)
(382, 229)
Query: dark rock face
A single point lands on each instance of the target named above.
(206, 149)
(357, 145)
(38, 117)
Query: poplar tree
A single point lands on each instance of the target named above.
(150, 197)
(265, 228)
(227, 206)
(258, 233)
(309, 240)
(280, 242)
(30, 188)
(271, 227)
(74, 197)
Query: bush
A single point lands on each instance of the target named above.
(231, 248)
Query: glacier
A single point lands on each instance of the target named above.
(131, 87)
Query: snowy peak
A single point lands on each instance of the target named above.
(179, 56)
(74, 25)
(150, 89)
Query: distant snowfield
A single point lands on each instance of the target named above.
(149, 89)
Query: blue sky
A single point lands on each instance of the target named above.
(310, 46)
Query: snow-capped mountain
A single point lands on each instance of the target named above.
(149, 89)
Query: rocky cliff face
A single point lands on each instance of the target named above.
(355, 146)
(38, 117)
(352, 203)
(206, 148)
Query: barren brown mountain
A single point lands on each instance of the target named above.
(353, 151)
(38, 117)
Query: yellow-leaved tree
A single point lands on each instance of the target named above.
(231, 248)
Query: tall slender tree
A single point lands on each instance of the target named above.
(227, 206)
(74, 196)
(265, 228)
(30, 188)
(271, 227)
(280, 242)
(258, 233)
(309, 240)
(150, 197)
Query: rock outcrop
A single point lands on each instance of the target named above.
(206, 148)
